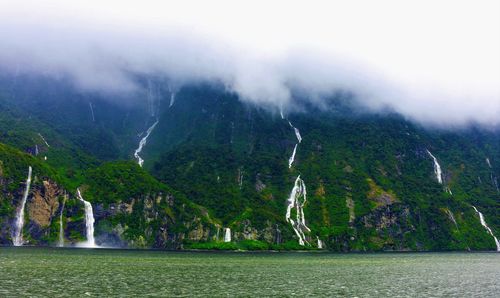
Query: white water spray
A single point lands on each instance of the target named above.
(17, 238)
(488, 162)
(483, 223)
(89, 221)
(227, 235)
(142, 143)
(437, 168)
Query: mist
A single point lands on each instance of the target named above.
(435, 63)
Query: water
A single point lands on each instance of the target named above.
(299, 227)
(227, 235)
(17, 238)
(437, 168)
(142, 143)
(61, 224)
(83, 272)
(485, 225)
(89, 222)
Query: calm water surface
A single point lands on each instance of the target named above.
(99, 272)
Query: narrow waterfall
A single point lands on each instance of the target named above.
(299, 226)
(89, 221)
(298, 192)
(92, 111)
(172, 99)
(43, 139)
(488, 162)
(61, 224)
(142, 143)
(17, 238)
(292, 157)
(483, 223)
(437, 168)
(227, 235)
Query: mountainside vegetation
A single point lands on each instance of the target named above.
(214, 162)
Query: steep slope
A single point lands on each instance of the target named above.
(130, 208)
(370, 180)
(333, 177)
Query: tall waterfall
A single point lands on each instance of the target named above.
(437, 168)
(485, 225)
(142, 143)
(61, 224)
(17, 238)
(227, 235)
(298, 192)
(89, 222)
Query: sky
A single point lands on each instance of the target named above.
(435, 62)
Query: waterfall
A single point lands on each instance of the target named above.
(292, 158)
(297, 132)
(61, 227)
(142, 143)
(89, 221)
(92, 111)
(437, 168)
(320, 243)
(483, 223)
(298, 226)
(43, 139)
(488, 162)
(18, 232)
(227, 235)
(298, 191)
(172, 99)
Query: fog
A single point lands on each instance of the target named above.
(437, 63)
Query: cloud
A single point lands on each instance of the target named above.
(435, 63)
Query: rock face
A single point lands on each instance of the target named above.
(43, 204)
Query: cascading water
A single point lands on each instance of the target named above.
(292, 157)
(17, 238)
(437, 168)
(299, 226)
(227, 235)
(298, 192)
(320, 243)
(172, 99)
(483, 223)
(61, 225)
(89, 222)
(92, 111)
(142, 143)
(154, 107)
(43, 139)
(488, 162)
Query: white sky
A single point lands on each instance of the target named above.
(422, 58)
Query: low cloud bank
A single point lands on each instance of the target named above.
(437, 64)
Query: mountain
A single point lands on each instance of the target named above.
(217, 167)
